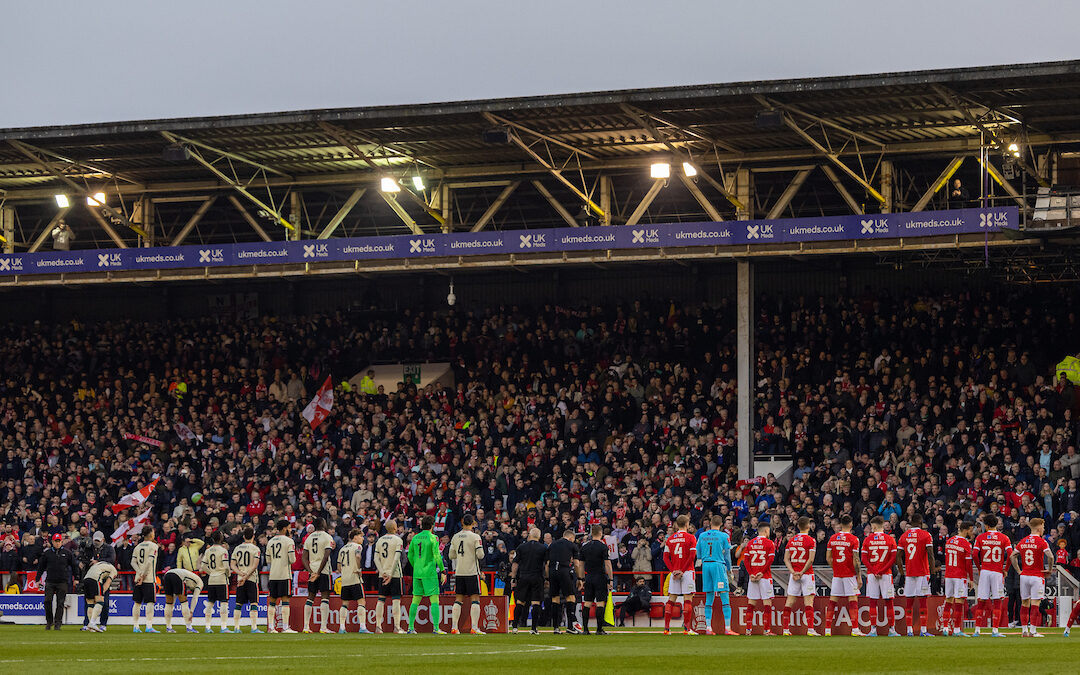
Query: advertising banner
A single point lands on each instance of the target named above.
(555, 240)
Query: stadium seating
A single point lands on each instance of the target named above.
(560, 417)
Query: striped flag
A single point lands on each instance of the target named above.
(319, 408)
(135, 498)
(131, 527)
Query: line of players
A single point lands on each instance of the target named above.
(913, 558)
(218, 563)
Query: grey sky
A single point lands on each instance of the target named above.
(75, 62)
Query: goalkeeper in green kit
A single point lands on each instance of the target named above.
(428, 573)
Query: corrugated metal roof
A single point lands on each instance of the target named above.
(896, 114)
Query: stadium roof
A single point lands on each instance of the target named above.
(840, 144)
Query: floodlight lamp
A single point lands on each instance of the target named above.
(418, 182)
(688, 170)
(62, 201)
(660, 170)
(96, 199)
(390, 185)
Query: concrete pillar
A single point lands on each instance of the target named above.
(605, 199)
(887, 190)
(744, 368)
(445, 197)
(744, 192)
(7, 227)
(296, 214)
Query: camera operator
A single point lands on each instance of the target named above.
(93, 551)
(62, 237)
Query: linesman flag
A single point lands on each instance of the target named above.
(319, 408)
(131, 527)
(135, 498)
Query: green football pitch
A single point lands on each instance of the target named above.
(34, 651)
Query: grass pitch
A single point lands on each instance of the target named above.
(33, 651)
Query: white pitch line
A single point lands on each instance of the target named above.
(536, 648)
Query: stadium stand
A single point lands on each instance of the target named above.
(942, 404)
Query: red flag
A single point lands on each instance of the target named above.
(135, 498)
(319, 408)
(33, 585)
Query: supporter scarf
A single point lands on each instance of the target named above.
(144, 439)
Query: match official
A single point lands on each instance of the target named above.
(595, 566)
(528, 575)
(562, 556)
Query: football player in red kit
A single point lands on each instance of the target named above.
(879, 554)
(1033, 559)
(680, 552)
(843, 555)
(990, 555)
(799, 559)
(917, 547)
(758, 558)
(958, 578)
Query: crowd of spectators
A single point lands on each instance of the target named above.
(560, 417)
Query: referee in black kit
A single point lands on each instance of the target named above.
(562, 555)
(594, 589)
(528, 575)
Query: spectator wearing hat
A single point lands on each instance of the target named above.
(58, 565)
(187, 555)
